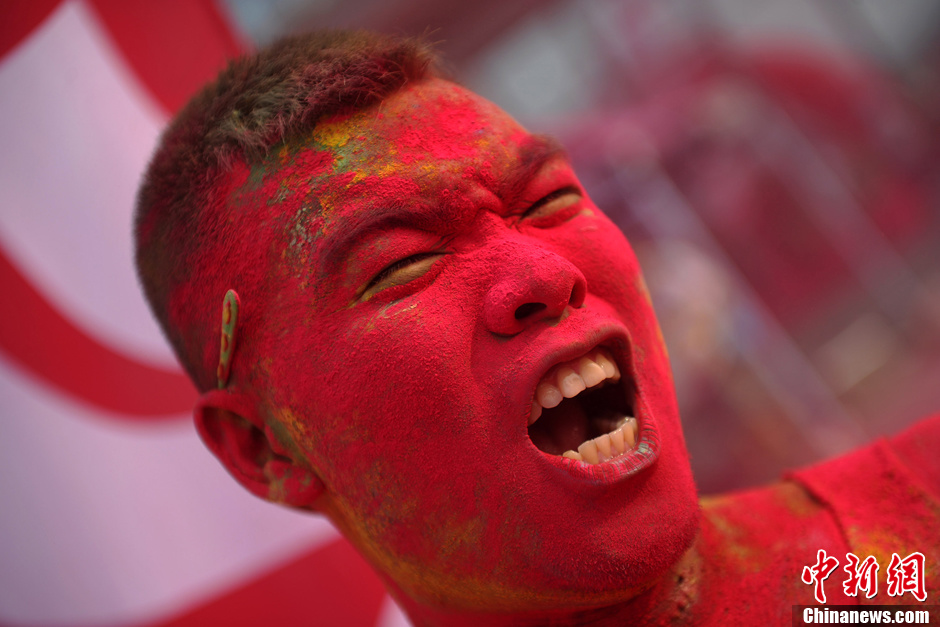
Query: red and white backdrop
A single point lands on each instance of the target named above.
(111, 510)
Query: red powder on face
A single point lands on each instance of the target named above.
(453, 127)
(386, 238)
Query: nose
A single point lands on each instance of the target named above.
(533, 285)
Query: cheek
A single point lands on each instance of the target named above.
(397, 435)
(386, 385)
(604, 256)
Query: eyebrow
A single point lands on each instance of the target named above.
(534, 152)
(393, 214)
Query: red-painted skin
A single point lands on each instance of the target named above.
(399, 407)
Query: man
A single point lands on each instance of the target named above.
(433, 337)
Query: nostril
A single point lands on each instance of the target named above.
(526, 310)
(576, 299)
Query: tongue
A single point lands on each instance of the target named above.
(561, 428)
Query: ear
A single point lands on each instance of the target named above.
(229, 426)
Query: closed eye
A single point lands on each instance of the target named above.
(553, 203)
(401, 272)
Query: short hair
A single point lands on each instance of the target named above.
(257, 103)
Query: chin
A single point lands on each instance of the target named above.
(618, 546)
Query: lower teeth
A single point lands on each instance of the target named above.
(607, 446)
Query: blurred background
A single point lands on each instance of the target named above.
(776, 167)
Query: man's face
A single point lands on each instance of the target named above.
(434, 269)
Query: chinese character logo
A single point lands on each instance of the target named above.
(862, 576)
(907, 575)
(819, 572)
(903, 575)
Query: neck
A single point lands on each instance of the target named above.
(729, 572)
(666, 599)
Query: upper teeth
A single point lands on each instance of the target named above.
(569, 379)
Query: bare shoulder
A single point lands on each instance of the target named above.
(918, 449)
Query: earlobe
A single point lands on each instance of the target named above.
(240, 440)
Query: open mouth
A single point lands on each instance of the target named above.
(582, 409)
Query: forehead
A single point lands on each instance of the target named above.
(429, 136)
(432, 148)
(431, 126)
